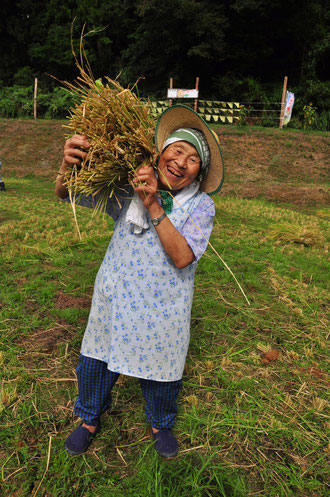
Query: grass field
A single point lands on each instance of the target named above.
(253, 415)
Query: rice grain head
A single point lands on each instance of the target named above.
(120, 129)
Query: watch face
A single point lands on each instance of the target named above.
(156, 220)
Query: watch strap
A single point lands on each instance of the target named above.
(156, 220)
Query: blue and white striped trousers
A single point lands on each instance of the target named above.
(95, 383)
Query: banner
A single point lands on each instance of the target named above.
(288, 107)
(177, 93)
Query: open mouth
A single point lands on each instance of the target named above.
(174, 172)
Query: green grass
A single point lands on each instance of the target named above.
(245, 427)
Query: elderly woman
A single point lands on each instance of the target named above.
(139, 322)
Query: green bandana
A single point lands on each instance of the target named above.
(167, 201)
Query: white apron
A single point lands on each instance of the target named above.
(139, 322)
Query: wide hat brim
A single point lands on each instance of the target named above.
(181, 116)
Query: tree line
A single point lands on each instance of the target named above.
(240, 49)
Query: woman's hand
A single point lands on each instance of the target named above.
(146, 185)
(74, 154)
(173, 242)
(74, 150)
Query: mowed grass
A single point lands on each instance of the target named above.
(250, 423)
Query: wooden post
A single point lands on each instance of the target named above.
(196, 88)
(285, 83)
(35, 97)
(171, 86)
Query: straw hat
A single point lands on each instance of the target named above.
(181, 116)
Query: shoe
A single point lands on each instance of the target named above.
(166, 443)
(79, 440)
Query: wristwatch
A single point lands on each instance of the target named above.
(156, 220)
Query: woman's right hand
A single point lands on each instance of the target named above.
(74, 153)
(74, 150)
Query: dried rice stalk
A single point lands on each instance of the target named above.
(307, 235)
(119, 127)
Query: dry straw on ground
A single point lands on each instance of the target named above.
(307, 235)
(119, 127)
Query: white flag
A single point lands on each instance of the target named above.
(288, 107)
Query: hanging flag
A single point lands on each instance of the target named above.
(288, 107)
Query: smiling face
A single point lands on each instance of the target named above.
(178, 166)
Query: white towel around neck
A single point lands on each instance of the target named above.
(137, 214)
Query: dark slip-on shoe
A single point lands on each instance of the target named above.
(165, 443)
(79, 440)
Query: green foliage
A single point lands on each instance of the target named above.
(239, 49)
(243, 112)
(24, 76)
(18, 101)
(191, 35)
(180, 39)
(317, 92)
(309, 115)
(322, 121)
(57, 103)
(245, 89)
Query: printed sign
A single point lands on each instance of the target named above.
(176, 93)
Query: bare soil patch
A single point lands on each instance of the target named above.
(31, 147)
(64, 301)
(279, 165)
(297, 195)
(46, 340)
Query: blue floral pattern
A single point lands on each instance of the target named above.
(139, 322)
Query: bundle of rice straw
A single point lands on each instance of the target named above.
(119, 127)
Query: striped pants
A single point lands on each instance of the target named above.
(95, 383)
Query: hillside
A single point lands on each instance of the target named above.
(279, 165)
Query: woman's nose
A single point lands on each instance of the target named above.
(181, 161)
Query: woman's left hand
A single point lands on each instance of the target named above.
(146, 185)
